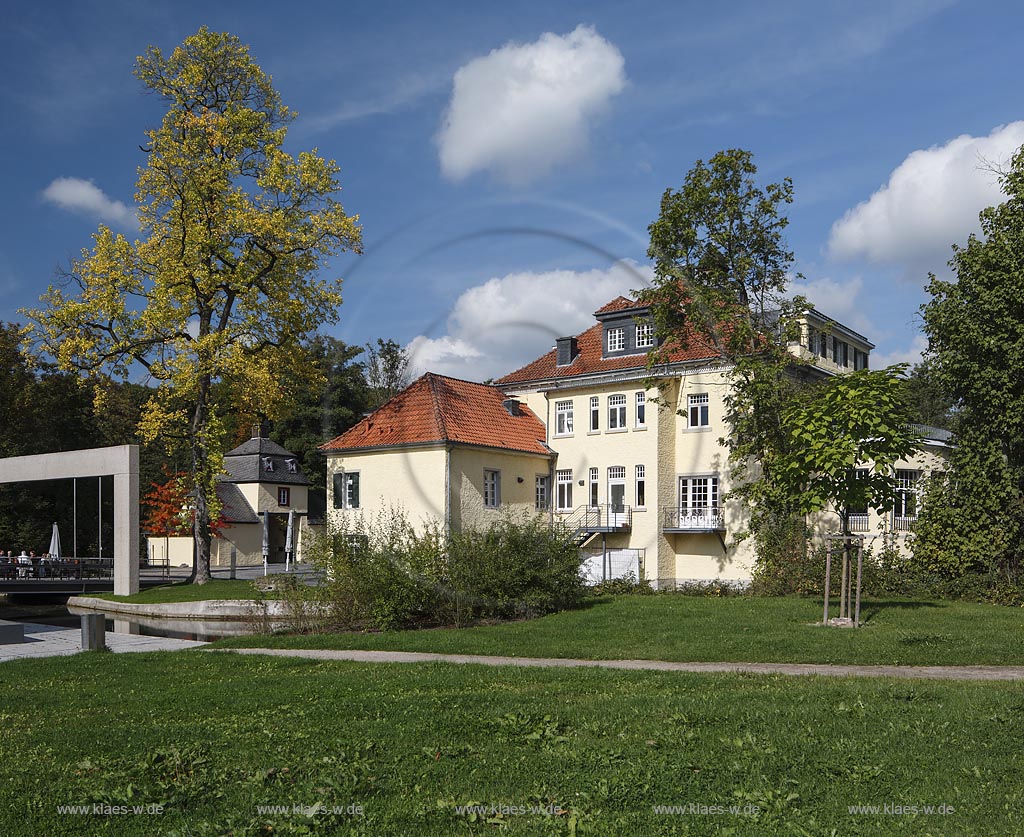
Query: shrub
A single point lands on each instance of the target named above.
(381, 573)
(627, 585)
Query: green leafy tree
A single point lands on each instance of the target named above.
(318, 414)
(223, 284)
(975, 326)
(927, 402)
(387, 370)
(722, 269)
(844, 441)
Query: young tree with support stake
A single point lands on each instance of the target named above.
(216, 296)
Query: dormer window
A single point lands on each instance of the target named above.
(644, 335)
(293, 466)
(616, 339)
(268, 464)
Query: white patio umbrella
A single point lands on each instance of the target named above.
(289, 539)
(55, 542)
(266, 540)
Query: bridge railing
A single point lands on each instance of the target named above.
(76, 569)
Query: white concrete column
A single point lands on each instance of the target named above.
(126, 527)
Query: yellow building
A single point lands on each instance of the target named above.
(640, 483)
(261, 488)
(441, 450)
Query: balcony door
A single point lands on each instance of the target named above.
(698, 502)
(617, 496)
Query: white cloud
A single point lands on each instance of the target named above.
(524, 108)
(911, 354)
(86, 198)
(838, 299)
(505, 323)
(931, 201)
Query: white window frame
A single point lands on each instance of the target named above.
(542, 492)
(616, 340)
(641, 487)
(492, 488)
(592, 493)
(595, 414)
(641, 409)
(563, 418)
(698, 410)
(904, 511)
(563, 490)
(617, 412)
(698, 493)
(644, 335)
(284, 496)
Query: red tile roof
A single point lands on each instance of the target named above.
(438, 409)
(589, 360)
(620, 303)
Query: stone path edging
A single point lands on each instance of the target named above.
(792, 669)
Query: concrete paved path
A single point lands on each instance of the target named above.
(921, 672)
(53, 641)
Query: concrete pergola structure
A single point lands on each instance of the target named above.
(121, 462)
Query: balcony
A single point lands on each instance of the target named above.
(675, 520)
(586, 521)
(904, 522)
(858, 521)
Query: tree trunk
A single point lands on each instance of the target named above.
(201, 471)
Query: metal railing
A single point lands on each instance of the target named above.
(588, 520)
(58, 569)
(858, 522)
(675, 519)
(904, 522)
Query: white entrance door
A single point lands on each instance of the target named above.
(617, 496)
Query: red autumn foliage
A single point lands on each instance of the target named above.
(168, 510)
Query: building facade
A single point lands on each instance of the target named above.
(639, 473)
(262, 487)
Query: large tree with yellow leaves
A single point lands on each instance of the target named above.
(216, 296)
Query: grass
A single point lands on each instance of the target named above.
(735, 629)
(212, 736)
(214, 589)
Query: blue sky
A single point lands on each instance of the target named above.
(506, 159)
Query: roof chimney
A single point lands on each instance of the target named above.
(567, 349)
(511, 405)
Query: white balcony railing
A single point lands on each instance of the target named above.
(674, 519)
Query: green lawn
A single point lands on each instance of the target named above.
(738, 629)
(215, 589)
(212, 736)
